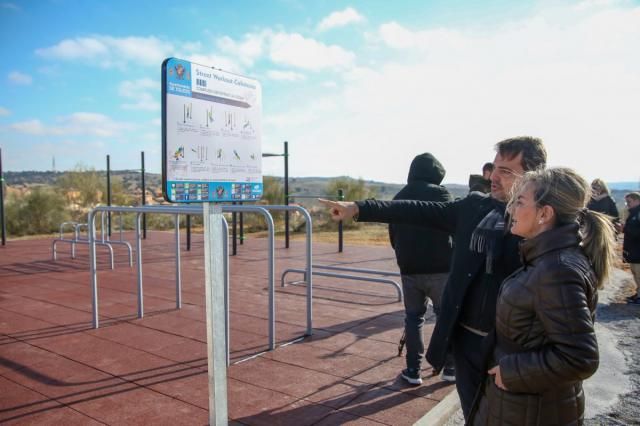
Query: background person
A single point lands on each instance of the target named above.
(631, 242)
(602, 201)
(545, 339)
(482, 182)
(484, 254)
(423, 256)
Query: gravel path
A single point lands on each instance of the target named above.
(613, 393)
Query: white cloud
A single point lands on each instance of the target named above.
(340, 19)
(143, 93)
(216, 61)
(16, 77)
(572, 79)
(108, 52)
(4, 111)
(246, 51)
(295, 50)
(79, 123)
(285, 75)
(290, 49)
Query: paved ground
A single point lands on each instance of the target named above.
(56, 369)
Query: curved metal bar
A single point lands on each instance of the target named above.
(358, 270)
(309, 258)
(347, 277)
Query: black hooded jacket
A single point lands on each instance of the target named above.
(421, 250)
(631, 243)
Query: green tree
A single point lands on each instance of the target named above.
(40, 211)
(119, 196)
(353, 189)
(82, 186)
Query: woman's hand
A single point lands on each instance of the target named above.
(340, 210)
(495, 371)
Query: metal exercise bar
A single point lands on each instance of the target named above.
(346, 277)
(359, 270)
(76, 240)
(105, 218)
(175, 210)
(309, 257)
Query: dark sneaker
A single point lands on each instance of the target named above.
(635, 301)
(632, 298)
(412, 375)
(448, 374)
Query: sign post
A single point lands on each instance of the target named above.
(211, 153)
(216, 315)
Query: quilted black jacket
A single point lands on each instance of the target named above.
(546, 343)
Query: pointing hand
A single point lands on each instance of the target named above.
(340, 210)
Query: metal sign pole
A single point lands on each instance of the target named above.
(215, 307)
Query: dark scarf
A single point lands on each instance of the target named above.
(487, 237)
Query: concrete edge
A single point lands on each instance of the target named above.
(439, 414)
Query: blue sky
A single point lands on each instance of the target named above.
(357, 88)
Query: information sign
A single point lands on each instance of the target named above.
(211, 134)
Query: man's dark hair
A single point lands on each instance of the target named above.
(534, 156)
(633, 196)
(488, 167)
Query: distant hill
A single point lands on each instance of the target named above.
(131, 181)
(315, 186)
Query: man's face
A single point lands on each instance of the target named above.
(631, 203)
(505, 173)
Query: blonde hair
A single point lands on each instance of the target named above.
(568, 193)
(604, 189)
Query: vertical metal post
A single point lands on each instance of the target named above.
(139, 259)
(144, 198)
(3, 225)
(241, 227)
(234, 232)
(178, 271)
(340, 224)
(286, 193)
(109, 193)
(91, 231)
(215, 309)
(188, 232)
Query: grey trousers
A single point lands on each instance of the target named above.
(418, 289)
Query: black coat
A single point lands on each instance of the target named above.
(421, 250)
(604, 205)
(459, 218)
(546, 342)
(631, 243)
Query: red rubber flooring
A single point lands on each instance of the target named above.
(56, 369)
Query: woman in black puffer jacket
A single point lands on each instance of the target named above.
(545, 343)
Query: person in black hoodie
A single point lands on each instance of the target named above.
(423, 256)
